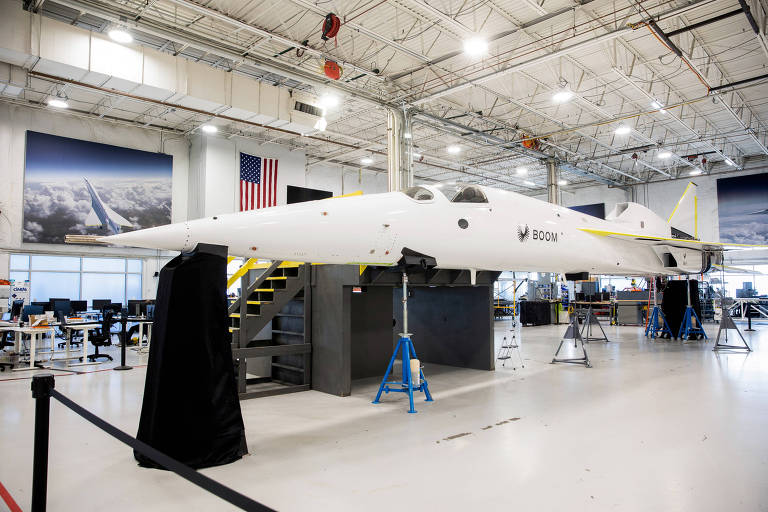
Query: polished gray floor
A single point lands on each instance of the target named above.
(653, 426)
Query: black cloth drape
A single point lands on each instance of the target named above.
(675, 300)
(191, 410)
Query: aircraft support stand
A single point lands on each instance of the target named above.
(572, 333)
(687, 328)
(657, 323)
(726, 324)
(413, 378)
(749, 318)
(589, 321)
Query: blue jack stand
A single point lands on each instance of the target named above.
(686, 327)
(657, 325)
(404, 345)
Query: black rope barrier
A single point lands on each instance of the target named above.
(42, 391)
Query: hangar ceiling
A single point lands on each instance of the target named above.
(643, 105)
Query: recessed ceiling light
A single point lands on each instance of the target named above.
(522, 171)
(665, 154)
(656, 104)
(407, 135)
(695, 172)
(730, 162)
(416, 155)
(321, 124)
(120, 36)
(562, 96)
(366, 160)
(622, 130)
(529, 183)
(453, 149)
(475, 47)
(209, 128)
(562, 182)
(329, 101)
(57, 103)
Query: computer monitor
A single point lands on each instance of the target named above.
(45, 305)
(30, 310)
(114, 306)
(16, 308)
(98, 304)
(62, 307)
(79, 306)
(135, 307)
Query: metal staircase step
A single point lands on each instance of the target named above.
(277, 278)
(295, 333)
(237, 315)
(288, 367)
(233, 329)
(258, 302)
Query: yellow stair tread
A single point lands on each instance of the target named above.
(259, 302)
(232, 329)
(237, 315)
(276, 278)
(264, 290)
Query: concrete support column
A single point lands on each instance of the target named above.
(553, 176)
(395, 153)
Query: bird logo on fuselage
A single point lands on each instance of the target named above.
(523, 234)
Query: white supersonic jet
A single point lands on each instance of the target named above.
(462, 227)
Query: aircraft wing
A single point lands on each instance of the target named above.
(116, 217)
(674, 242)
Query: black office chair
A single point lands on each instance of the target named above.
(102, 337)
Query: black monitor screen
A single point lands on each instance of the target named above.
(98, 304)
(63, 306)
(135, 307)
(79, 305)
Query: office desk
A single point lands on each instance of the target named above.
(35, 335)
(142, 349)
(86, 327)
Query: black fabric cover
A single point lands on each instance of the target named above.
(535, 312)
(675, 299)
(191, 409)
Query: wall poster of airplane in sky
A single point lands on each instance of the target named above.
(742, 204)
(73, 186)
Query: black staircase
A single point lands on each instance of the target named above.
(278, 295)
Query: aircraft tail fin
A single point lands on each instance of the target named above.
(685, 216)
(116, 217)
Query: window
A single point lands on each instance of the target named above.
(470, 194)
(78, 278)
(459, 193)
(419, 194)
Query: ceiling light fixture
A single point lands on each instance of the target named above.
(529, 183)
(522, 171)
(407, 135)
(730, 162)
(416, 155)
(209, 128)
(695, 172)
(475, 46)
(453, 149)
(562, 182)
(665, 154)
(58, 103)
(366, 160)
(622, 130)
(562, 96)
(321, 124)
(329, 101)
(120, 36)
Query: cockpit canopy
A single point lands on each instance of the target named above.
(455, 193)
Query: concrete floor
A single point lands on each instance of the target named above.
(653, 426)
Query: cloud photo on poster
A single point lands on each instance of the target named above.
(742, 203)
(73, 186)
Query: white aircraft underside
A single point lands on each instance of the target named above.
(465, 227)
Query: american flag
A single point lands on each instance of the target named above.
(258, 182)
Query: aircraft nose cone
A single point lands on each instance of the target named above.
(173, 237)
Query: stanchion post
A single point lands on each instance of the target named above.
(123, 340)
(41, 391)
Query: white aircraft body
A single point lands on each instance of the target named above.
(462, 227)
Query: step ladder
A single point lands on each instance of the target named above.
(508, 346)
